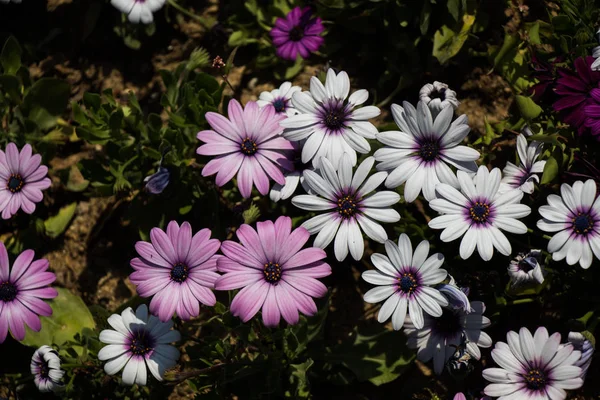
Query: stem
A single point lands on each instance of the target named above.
(74, 365)
(385, 101)
(182, 10)
(520, 301)
(182, 376)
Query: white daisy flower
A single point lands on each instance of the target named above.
(138, 10)
(586, 348)
(406, 281)
(437, 96)
(330, 121)
(138, 341)
(523, 176)
(421, 153)
(292, 178)
(525, 268)
(281, 98)
(349, 206)
(533, 367)
(575, 216)
(45, 368)
(440, 336)
(479, 212)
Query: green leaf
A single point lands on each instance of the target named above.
(550, 170)
(10, 58)
(10, 84)
(534, 33)
(49, 94)
(510, 43)
(295, 69)
(251, 214)
(425, 17)
(76, 182)
(69, 317)
(447, 43)
(299, 380)
(57, 224)
(527, 107)
(453, 8)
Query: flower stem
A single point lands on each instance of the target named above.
(182, 10)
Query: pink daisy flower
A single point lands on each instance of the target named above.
(22, 289)
(273, 272)
(248, 144)
(299, 33)
(178, 269)
(22, 180)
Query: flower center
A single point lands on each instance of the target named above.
(535, 379)
(582, 223)
(8, 292)
(407, 283)
(272, 272)
(429, 150)
(141, 343)
(347, 206)
(448, 324)
(179, 273)
(438, 94)
(296, 34)
(44, 370)
(279, 105)
(249, 147)
(480, 212)
(15, 183)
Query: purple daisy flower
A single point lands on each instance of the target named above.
(249, 143)
(45, 368)
(178, 269)
(22, 180)
(22, 289)
(273, 272)
(297, 33)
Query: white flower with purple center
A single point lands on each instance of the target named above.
(45, 368)
(575, 217)
(439, 337)
(139, 10)
(525, 268)
(582, 344)
(422, 152)
(404, 280)
(479, 212)
(523, 176)
(437, 96)
(533, 367)
(330, 122)
(349, 206)
(136, 342)
(280, 98)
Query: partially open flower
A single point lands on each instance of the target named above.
(45, 367)
(438, 95)
(158, 181)
(526, 268)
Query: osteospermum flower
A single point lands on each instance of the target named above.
(280, 99)
(459, 396)
(421, 153)
(524, 175)
(457, 296)
(178, 269)
(138, 10)
(22, 180)
(437, 96)
(582, 344)
(45, 368)
(331, 125)
(273, 271)
(136, 342)
(292, 178)
(297, 34)
(533, 367)
(575, 217)
(22, 289)
(526, 268)
(440, 336)
(349, 206)
(248, 144)
(405, 282)
(479, 213)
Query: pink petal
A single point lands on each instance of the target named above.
(149, 254)
(31, 165)
(21, 264)
(249, 300)
(38, 175)
(304, 257)
(318, 269)
(239, 254)
(36, 281)
(245, 178)
(204, 278)
(294, 242)
(184, 240)
(236, 115)
(309, 286)
(4, 263)
(305, 304)
(12, 158)
(267, 238)
(36, 305)
(225, 174)
(236, 280)
(273, 171)
(163, 245)
(270, 309)
(222, 126)
(286, 304)
(203, 294)
(251, 242)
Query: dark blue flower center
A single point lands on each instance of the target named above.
(347, 206)
(44, 370)
(279, 105)
(583, 223)
(296, 34)
(438, 94)
(334, 119)
(179, 273)
(249, 146)
(8, 292)
(448, 325)
(479, 212)
(15, 183)
(407, 283)
(429, 150)
(141, 343)
(535, 379)
(272, 272)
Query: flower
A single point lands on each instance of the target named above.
(438, 95)
(45, 368)
(440, 336)
(249, 143)
(178, 269)
(459, 396)
(24, 179)
(457, 296)
(544, 73)
(576, 218)
(523, 176)
(138, 10)
(297, 34)
(575, 91)
(526, 268)
(582, 344)
(158, 181)
(292, 178)
(406, 281)
(22, 289)
(273, 272)
(331, 125)
(280, 98)
(138, 341)
(421, 153)
(533, 367)
(479, 212)
(349, 207)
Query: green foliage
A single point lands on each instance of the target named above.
(56, 225)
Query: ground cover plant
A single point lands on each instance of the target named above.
(350, 199)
